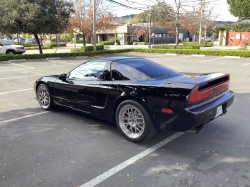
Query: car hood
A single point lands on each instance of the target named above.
(13, 46)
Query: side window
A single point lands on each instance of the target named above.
(121, 72)
(88, 70)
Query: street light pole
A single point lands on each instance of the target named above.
(94, 27)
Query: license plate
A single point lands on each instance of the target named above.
(219, 111)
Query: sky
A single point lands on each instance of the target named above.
(220, 7)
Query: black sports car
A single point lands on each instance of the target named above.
(138, 95)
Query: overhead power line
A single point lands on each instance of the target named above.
(126, 6)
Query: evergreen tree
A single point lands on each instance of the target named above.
(239, 8)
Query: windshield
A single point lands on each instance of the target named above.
(5, 42)
(30, 39)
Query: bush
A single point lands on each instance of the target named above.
(106, 43)
(90, 48)
(79, 41)
(139, 43)
(75, 50)
(244, 46)
(113, 40)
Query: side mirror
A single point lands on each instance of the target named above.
(63, 76)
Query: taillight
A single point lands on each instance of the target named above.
(201, 94)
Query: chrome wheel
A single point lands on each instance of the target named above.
(43, 97)
(131, 121)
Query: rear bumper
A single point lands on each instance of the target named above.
(199, 115)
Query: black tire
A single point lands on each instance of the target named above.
(122, 119)
(10, 52)
(49, 105)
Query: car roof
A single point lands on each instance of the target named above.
(113, 59)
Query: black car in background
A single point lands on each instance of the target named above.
(140, 96)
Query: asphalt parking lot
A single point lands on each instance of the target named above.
(68, 149)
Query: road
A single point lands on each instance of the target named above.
(64, 148)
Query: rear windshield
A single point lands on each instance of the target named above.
(139, 69)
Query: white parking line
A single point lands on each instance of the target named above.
(16, 91)
(20, 65)
(246, 64)
(20, 77)
(212, 59)
(130, 161)
(15, 119)
(16, 69)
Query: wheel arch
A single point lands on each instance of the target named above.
(139, 100)
(10, 50)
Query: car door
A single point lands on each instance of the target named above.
(81, 90)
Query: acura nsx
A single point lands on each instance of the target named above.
(140, 96)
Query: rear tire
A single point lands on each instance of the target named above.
(134, 121)
(44, 97)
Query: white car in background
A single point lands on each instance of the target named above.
(9, 49)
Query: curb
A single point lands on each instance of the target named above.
(18, 60)
(81, 57)
(232, 56)
(54, 58)
(199, 55)
(171, 54)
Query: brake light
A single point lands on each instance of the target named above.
(198, 95)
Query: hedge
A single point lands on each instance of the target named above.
(28, 45)
(106, 43)
(45, 46)
(39, 56)
(91, 53)
(197, 51)
(139, 43)
(90, 48)
(207, 44)
(176, 47)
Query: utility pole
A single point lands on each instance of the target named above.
(94, 27)
(200, 24)
(149, 33)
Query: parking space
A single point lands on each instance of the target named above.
(64, 148)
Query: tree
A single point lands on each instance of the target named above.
(34, 16)
(69, 36)
(131, 20)
(239, 8)
(82, 18)
(241, 25)
(26, 35)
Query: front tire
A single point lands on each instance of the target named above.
(134, 121)
(10, 52)
(44, 97)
